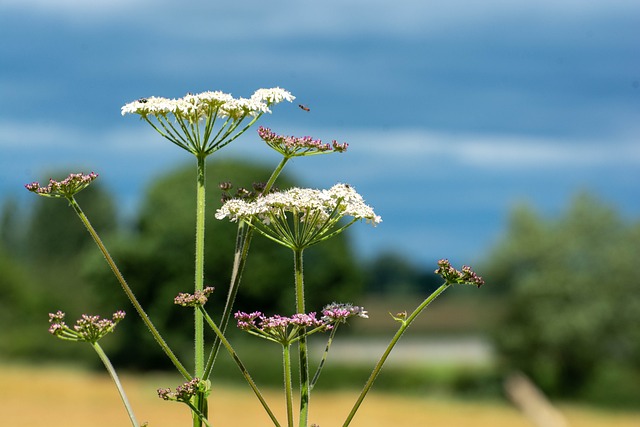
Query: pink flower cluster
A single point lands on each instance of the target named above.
(65, 188)
(292, 146)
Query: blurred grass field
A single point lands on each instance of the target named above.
(69, 397)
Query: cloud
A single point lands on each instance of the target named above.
(253, 19)
(94, 9)
(493, 151)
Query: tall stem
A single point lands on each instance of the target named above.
(405, 324)
(116, 380)
(286, 363)
(302, 343)
(199, 283)
(127, 290)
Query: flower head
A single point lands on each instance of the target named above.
(315, 213)
(340, 312)
(66, 188)
(284, 330)
(291, 146)
(190, 121)
(453, 276)
(272, 96)
(184, 392)
(195, 299)
(87, 328)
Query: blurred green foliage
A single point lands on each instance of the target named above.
(572, 301)
(565, 288)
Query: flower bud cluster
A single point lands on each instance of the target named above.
(87, 328)
(453, 276)
(195, 299)
(66, 188)
(291, 146)
(183, 392)
(242, 193)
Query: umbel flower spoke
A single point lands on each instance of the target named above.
(205, 122)
(301, 217)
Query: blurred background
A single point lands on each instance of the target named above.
(500, 134)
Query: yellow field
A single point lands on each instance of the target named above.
(57, 397)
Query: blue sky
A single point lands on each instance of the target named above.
(454, 110)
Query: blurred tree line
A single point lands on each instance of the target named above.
(571, 292)
(566, 287)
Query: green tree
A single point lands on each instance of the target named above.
(157, 261)
(572, 299)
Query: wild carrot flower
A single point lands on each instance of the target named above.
(189, 121)
(66, 188)
(315, 213)
(87, 328)
(453, 276)
(281, 329)
(291, 146)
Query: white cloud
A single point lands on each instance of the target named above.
(330, 18)
(79, 8)
(488, 151)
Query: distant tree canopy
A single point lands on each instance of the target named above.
(392, 273)
(572, 302)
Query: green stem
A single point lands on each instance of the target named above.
(127, 290)
(116, 380)
(198, 414)
(200, 402)
(240, 365)
(405, 324)
(286, 362)
(302, 343)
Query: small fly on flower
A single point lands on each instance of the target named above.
(304, 107)
(143, 100)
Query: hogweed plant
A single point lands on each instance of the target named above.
(296, 218)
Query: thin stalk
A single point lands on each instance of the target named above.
(324, 357)
(243, 242)
(127, 290)
(116, 380)
(286, 363)
(200, 402)
(302, 343)
(405, 324)
(240, 365)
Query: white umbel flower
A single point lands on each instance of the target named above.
(317, 211)
(272, 96)
(190, 121)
